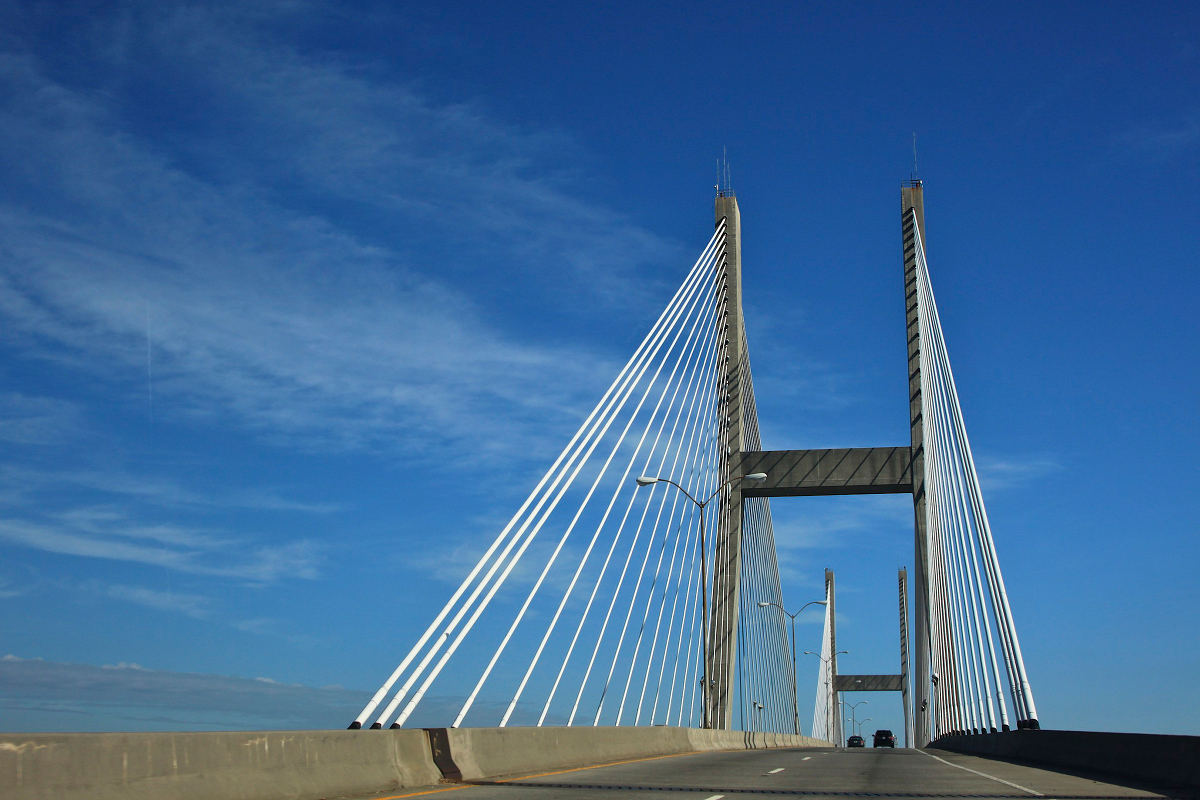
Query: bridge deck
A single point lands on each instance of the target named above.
(800, 772)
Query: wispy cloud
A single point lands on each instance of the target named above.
(111, 537)
(192, 605)
(45, 695)
(1164, 141)
(258, 626)
(26, 419)
(835, 523)
(305, 292)
(28, 485)
(150, 521)
(998, 474)
(38, 695)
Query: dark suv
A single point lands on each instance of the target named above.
(884, 739)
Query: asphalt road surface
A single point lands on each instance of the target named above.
(798, 773)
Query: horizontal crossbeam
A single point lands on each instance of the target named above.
(868, 683)
(847, 470)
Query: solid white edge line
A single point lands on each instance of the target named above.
(989, 777)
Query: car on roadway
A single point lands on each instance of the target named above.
(884, 739)
(855, 741)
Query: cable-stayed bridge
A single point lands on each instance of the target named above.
(638, 583)
(625, 633)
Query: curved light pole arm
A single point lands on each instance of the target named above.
(753, 477)
(685, 491)
(716, 491)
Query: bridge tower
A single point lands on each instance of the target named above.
(912, 199)
(723, 618)
(793, 473)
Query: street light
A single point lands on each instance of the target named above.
(935, 712)
(853, 706)
(823, 658)
(864, 722)
(647, 480)
(795, 697)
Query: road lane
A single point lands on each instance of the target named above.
(800, 772)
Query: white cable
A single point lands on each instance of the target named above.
(532, 534)
(1022, 696)
(690, 348)
(701, 476)
(694, 640)
(999, 598)
(633, 598)
(587, 444)
(952, 677)
(621, 383)
(377, 698)
(616, 593)
(769, 569)
(967, 558)
(650, 591)
(690, 483)
(942, 449)
(962, 684)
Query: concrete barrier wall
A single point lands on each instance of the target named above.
(1143, 756)
(208, 766)
(491, 752)
(308, 765)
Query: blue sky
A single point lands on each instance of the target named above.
(299, 299)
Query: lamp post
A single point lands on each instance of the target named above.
(647, 480)
(864, 722)
(756, 715)
(826, 662)
(935, 712)
(853, 706)
(795, 697)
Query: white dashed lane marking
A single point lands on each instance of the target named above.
(715, 797)
(777, 769)
(806, 758)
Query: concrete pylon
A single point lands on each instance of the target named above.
(912, 199)
(835, 697)
(905, 678)
(727, 544)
